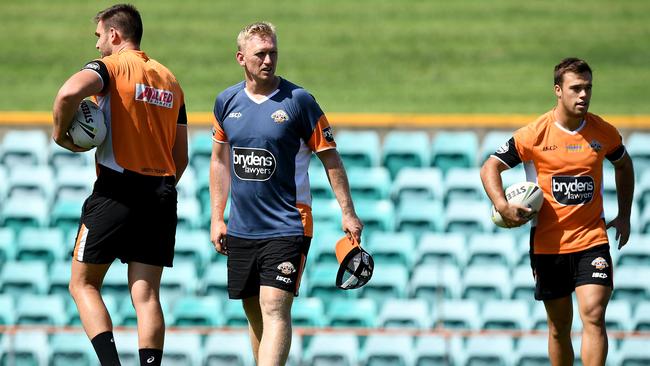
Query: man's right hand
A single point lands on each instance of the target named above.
(513, 214)
(218, 236)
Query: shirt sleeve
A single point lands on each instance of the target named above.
(316, 130)
(99, 67)
(322, 137)
(218, 134)
(182, 116)
(508, 154)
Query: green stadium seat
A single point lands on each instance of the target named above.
(194, 246)
(451, 149)
(319, 184)
(31, 181)
(505, 315)
(75, 182)
(71, 349)
(468, 217)
(442, 248)
(376, 215)
(308, 312)
(532, 350)
(7, 310)
(405, 149)
(227, 349)
(358, 148)
(332, 349)
(59, 275)
(413, 183)
(24, 147)
(7, 245)
(200, 150)
(489, 350)
(360, 313)
(419, 216)
(179, 281)
(197, 311)
(20, 212)
(41, 310)
(203, 189)
(59, 157)
(326, 212)
(43, 244)
(523, 283)
(631, 284)
(436, 350)
(463, 184)
(485, 282)
(322, 247)
(182, 349)
(215, 280)
(491, 142)
(641, 317)
(434, 282)
(384, 349)
(458, 314)
(116, 280)
(634, 352)
(391, 248)
(405, 313)
(66, 213)
(19, 278)
(619, 316)
(26, 347)
(487, 248)
(369, 183)
(388, 281)
(234, 315)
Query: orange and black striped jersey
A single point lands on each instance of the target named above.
(142, 103)
(568, 166)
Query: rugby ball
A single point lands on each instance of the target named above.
(88, 128)
(527, 194)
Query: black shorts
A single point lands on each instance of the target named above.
(557, 275)
(128, 216)
(275, 262)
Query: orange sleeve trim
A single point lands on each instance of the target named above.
(322, 137)
(307, 219)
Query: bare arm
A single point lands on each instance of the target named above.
(79, 86)
(624, 175)
(219, 190)
(179, 151)
(351, 224)
(493, 185)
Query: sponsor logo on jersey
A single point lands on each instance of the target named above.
(151, 95)
(214, 131)
(283, 279)
(280, 116)
(286, 268)
(595, 145)
(573, 148)
(253, 163)
(549, 148)
(503, 148)
(599, 263)
(92, 66)
(570, 190)
(234, 115)
(328, 134)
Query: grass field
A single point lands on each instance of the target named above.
(415, 56)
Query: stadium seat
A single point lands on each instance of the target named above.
(295, 352)
(126, 311)
(451, 149)
(405, 149)
(385, 349)
(308, 312)
(41, 310)
(20, 212)
(463, 184)
(358, 148)
(419, 216)
(492, 249)
(182, 349)
(31, 181)
(388, 281)
(187, 186)
(189, 213)
(360, 313)
(322, 283)
(28, 347)
(458, 314)
(202, 182)
(7, 310)
(326, 212)
(227, 349)
(234, 315)
(505, 315)
(634, 352)
(24, 147)
(631, 284)
(468, 217)
(644, 220)
(74, 182)
(59, 157)
(405, 313)
(391, 248)
(442, 248)
(126, 342)
(413, 183)
(538, 318)
(485, 282)
(532, 350)
(4, 177)
(215, 280)
(523, 283)
(321, 249)
(200, 150)
(66, 213)
(433, 282)
(609, 185)
(369, 183)
(197, 311)
(437, 351)
(19, 278)
(71, 349)
(332, 349)
(116, 280)
(7, 245)
(40, 244)
(618, 316)
(181, 280)
(636, 253)
(641, 317)
(489, 350)
(193, 246)
(638, 147)
(637, 223)
(492, 141)
(642, 189)
(376, 215)
(59, 275)
(319, 184)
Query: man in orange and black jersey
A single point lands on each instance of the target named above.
(131, 214)
(563, 152)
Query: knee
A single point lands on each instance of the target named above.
(275, 309)
(145, 297)
(77, 288)
(593, 316)
(560, 327)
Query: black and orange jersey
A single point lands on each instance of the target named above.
(568, 166)
(142, 103)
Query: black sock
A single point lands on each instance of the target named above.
(105, 349)
(150, 356)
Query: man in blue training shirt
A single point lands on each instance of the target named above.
(265, 130)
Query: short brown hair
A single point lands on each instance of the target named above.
(570, 64)
(125, 18)
(263, 29)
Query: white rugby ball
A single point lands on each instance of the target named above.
(527, 194)
(88, 127)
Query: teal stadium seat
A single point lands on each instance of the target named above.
(31, 181)
(405, 313)
(391, 248)
(295, 352)
(451, 149)
(641, 317)
(436, 350)
(638, 147)
(326, 213)
(385, 350)
(187, 186)
(644, 220)
(111, 302)
(41, 310)
(42, 244)
(532, 350)
(485, 282)
(24, 147)
(420, 216)
(7, 245)
(234, 315)
(25, 348)
(227, 349)
(609, 184)
(308, 312)
(634, 352)
(388, 281)
(505, 315)
(538, 317)
(189, 213)
(340, 349)
(492, 141)
(20, 278)
(418, 184)
(193, 246)
(489, 350)
(179, 281)
(458, 314)
(59, 275)
(4, 177)
(202, 190)
(434, 282)
(200, 150)
(376, 215)
(463, 184)
(7, 310)
(619, 316)
(322, 247)
(642, 189)
(70, 349)
(468, 217)
(182, 349)
(126, 341)
(322, 283)
(66, 213)
(116, 280)
(20, 212)
(74, 182)
(523, 283)
(631, 284)
(492, 249)
(204, 311)
(358, 148)
(359, 313)
(637, 222)
(369, 183)
(319, 184)
(403, 149)
(126, 312)
(59, 157)
(215, 280)
(442, 248)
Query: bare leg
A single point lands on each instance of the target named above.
(255, 324)
(276, 318)
(144, 284)
(560, 316)
(85, 284)
(592, 303)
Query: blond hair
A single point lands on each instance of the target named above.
(261, 29)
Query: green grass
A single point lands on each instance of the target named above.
(415, 56)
